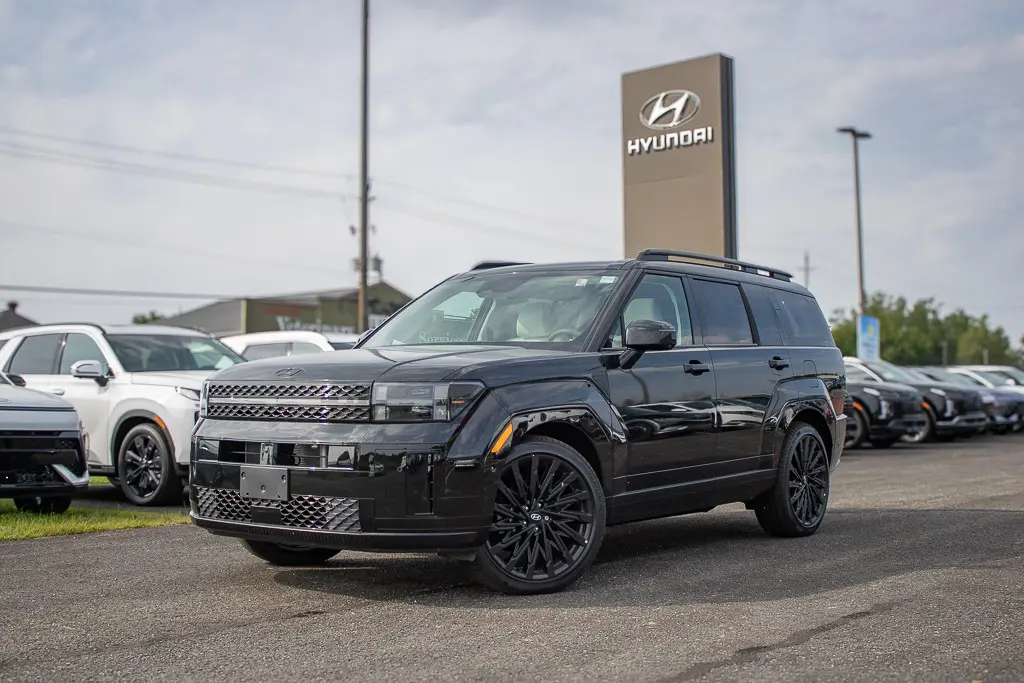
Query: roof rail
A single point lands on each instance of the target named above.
(484, 265)
(93, 325)
(668, 254)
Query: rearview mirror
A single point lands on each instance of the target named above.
(643, 336)
(650, 335)
(87, 369)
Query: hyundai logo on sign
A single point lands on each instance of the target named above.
(666, 111)
(683, 105)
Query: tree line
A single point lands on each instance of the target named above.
(919, 333)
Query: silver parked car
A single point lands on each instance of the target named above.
(42, 449)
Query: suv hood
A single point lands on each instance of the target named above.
(192, 379)
(19, 398)
(401, 363)
(888, 389)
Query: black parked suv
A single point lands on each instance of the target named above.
(881, 413)
(950, 410)
(511, 413)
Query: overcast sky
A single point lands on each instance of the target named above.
(495, 133)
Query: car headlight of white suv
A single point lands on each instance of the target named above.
(191, 394)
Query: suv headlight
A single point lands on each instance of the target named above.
(873, 392)
(190, 394)
(421, 401)
(204, 400)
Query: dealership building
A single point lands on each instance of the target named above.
(326, 311)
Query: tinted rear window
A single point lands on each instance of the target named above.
(722, 312)
(768, 331)
(803, 318)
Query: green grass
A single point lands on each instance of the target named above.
(16, 526)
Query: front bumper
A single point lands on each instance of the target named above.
(34, 464)
(897, 427)
(961, 424)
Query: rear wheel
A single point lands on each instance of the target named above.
(796, 505)
(43, 505)
(284, 555)
(549, 520)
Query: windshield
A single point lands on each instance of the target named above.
(171, 353)
(551, 309)
(997, 378)
(892, 373)
(1013, 373)
(947, 376)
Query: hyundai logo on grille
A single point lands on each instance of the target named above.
(683, 105)
(288, 372)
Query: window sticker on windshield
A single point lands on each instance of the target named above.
(608, 279)
(581, 282)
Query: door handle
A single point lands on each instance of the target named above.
(57, 392)
(695, 367)
(778, 362)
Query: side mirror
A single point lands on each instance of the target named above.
(643, 336)
(88, 369)
(17, 380)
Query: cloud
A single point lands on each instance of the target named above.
(512, 109)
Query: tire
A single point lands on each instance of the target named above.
(882, 443)
(858, 436)
(803, 465)
(289, 556)
(925, 435)
(145, 467)
(549, 520)
(43, 505)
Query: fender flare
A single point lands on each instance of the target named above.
(135, 414)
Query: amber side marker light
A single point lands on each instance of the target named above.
(503, 439)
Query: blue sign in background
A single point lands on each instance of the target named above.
(867, 338)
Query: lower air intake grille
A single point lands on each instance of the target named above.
(301, 512)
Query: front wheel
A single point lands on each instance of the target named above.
(924, 433)
(43, 505)
(796, 505)
(289, 555)
(856, 430)
(549, 520)
(146, 469)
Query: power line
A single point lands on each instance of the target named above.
(131, 168)
(133, 149)
(124, 293)
(92, 236)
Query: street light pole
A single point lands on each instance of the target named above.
(857, 136)
(364, 168)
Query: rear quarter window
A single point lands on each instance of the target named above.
(802, 320)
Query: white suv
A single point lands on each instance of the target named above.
(257, 345)
(136, 388)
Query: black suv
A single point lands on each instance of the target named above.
(510, 413)
(881, 413)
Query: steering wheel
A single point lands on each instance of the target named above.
(569, 335)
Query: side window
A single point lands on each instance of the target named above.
(36, 355)
(259, 351)
(79, 347)
(768, 331)
(305, 347)
(723, 314)
(658, 297)
(802, 314)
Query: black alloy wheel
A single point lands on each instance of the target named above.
(43, 505)
(284, 555)
(549, 520)
(145, 467)
(796, 504)
(856, 430)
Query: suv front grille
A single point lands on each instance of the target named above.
(301, 512)
(289, 401)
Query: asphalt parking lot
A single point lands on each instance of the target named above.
(917, 575)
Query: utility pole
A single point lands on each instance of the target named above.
(857, 136)
(364, 169)
(945, 351)
(807, 269)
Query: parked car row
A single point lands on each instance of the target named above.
(891, 403)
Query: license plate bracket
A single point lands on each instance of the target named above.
(264, 483)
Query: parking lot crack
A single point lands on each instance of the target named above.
(750, 654)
